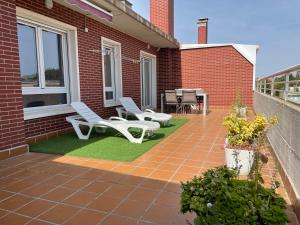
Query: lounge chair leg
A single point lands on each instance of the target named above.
(79, 133)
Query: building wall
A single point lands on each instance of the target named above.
(162, 15)
(90, 65)
(11, 103)
(220, 71)
(285, 142)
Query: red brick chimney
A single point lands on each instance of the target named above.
(162, 15)
(202, 30)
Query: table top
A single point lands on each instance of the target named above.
(199, 91)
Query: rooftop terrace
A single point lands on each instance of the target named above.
(46, 189)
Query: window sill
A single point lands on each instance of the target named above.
(45, 112)
(108, 104)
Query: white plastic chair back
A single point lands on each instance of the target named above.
(86, 113)
(130, 105)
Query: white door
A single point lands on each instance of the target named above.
(148, 81)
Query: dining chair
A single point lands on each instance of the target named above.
(171, 99)
(189, 99)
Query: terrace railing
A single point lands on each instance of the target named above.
(284, 85)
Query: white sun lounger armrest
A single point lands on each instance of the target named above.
(149, 110)
(117, 118)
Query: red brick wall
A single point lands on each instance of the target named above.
(202, 34)
(162, 15)
(11, 103)
(90, 66)
(220, 71)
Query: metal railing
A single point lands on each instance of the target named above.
(284, 85)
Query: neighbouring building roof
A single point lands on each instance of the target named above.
(247, 51)
(282, 71)
(126, 20)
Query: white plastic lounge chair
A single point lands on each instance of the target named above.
(131, 108)
(89, 118)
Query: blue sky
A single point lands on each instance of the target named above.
(272, 24)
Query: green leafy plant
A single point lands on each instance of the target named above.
(244, 133)
(219, 198)
(238, 101)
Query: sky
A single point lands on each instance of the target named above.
(274, 25)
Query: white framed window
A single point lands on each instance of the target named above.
(111, 72)
(48, 56)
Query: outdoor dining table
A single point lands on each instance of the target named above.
(199, 93)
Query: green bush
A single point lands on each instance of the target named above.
(219, 198)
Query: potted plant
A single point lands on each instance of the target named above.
(243, 139)
(219, 197)
(239, 107)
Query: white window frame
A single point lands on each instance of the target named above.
(71, 68)
(117, 81)
(153, 58)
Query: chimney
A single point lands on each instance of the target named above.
(202, 30)
(162, 15)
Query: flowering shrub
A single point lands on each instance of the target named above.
(243, 133)
(220, 198)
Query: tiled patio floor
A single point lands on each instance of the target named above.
(40, 189)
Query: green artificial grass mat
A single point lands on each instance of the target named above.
(109, 146)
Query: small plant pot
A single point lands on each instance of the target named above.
(241, 111)
(239, 159)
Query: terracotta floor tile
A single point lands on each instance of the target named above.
(143, 195)
(189, 169)
(4, 194)
(118, 220)
(92, 174)
(161, 214)
(112, 177)
(118, 191)
(133, 209)
(19, 186)
(168, 198)
(162, 175)
(168, 167)
(59, 214)
(151, 165)
(77, 183)
(3, 213)
(38, 222)
(104, 203)
(86, 217)
(173, 187)
(14, 202)
(13, 219)
(35, 208)
(132, 180)
(58, 194)
(38, 190)
(153, 184)
(57, 180)
(97, 187)
(80, 198)
(142, 172)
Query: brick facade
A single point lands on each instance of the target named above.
(12, 133)
(220, 71)
(90, 65)
(162, 15)
(217, 70)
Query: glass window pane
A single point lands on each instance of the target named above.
(109, 95)
(147, 82)
(53, 59)
(28, 56)
(279, 94)
(108, 67)
(44, 100)
(294, 76)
